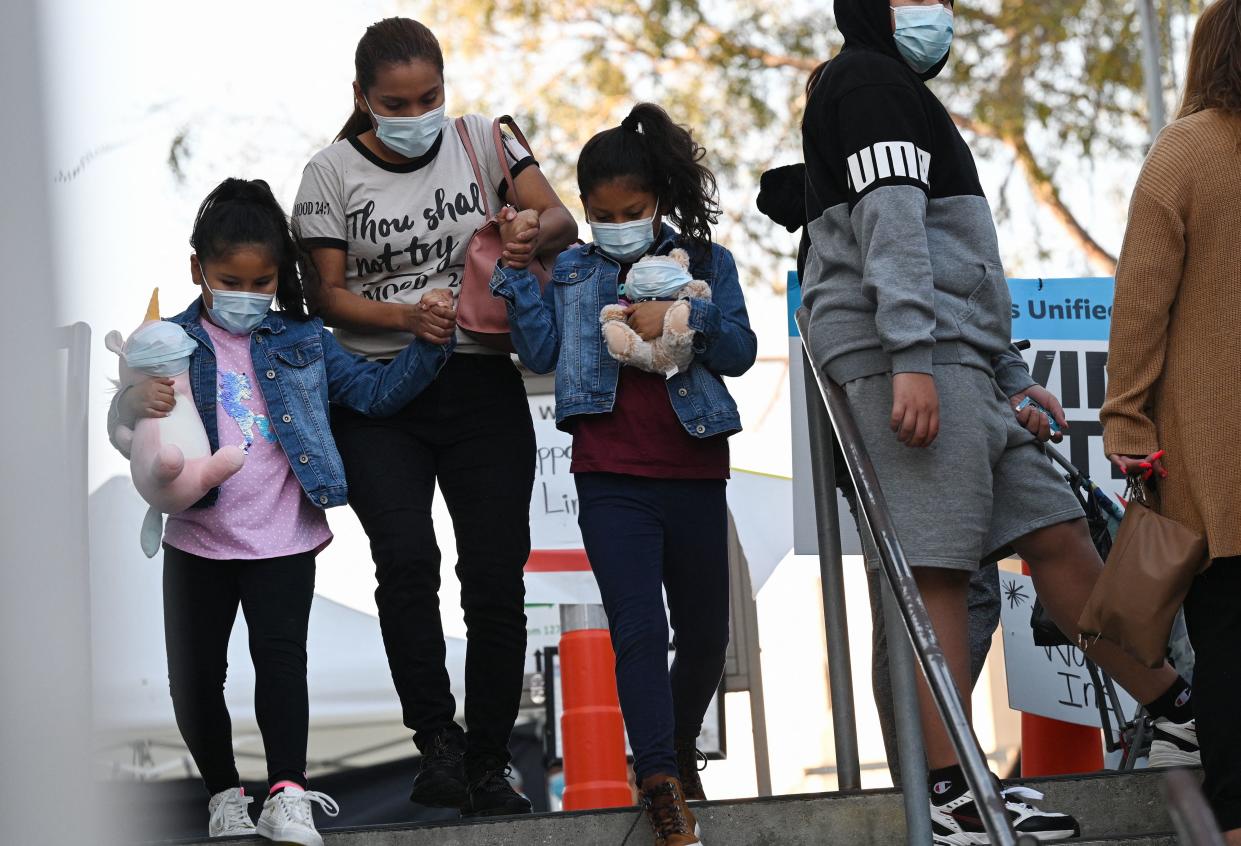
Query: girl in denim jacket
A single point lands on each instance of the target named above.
(650, 454)
(262, 381)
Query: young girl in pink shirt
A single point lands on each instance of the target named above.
(262, 380)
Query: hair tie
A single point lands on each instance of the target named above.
(632, 124)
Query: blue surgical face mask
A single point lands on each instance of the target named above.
(625, 241)
(410, 136)
(923, 34)
(655, 278)
(159, 349)
(235, 311)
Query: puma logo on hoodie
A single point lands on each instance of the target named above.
(887, 159)
(903, 269)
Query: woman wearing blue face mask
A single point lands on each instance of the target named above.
(262, 374)
(387, 212)
(650, 454)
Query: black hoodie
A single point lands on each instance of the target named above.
(903, 269)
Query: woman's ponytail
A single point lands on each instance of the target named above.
(245, 213)
(659, 156)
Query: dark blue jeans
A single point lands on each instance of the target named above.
(645, 537)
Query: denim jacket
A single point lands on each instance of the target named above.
(560, 330)
(301, 368)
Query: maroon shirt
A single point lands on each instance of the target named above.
(642, 436)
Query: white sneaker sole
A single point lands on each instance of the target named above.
(234, 832)
(289, 835)
(1165, 754)
(966, 838)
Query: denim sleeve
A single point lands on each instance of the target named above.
(532, 317)
(375, 389)
(1011, 372)
(724, 342)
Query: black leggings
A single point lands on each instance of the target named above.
(645, 538)
(201, 596)
(470, 431)
(1213, 614)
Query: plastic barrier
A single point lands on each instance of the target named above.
(596, 772)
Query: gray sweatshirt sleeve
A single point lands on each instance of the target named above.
(890, 226)
(1011, 372)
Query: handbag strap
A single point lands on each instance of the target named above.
(464, 133)
(497, 137)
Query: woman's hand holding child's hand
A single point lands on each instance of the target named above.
(915, 409)
(647, 319)
(520, 233)
(149, 398)
(434, 317)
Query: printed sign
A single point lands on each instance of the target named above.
(1048, 681)
(553, 504)
(1067, 322)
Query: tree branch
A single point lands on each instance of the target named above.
(1044, 189)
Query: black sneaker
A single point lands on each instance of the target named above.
(441, 781)
(690, 762)
(492, 795)
(958, 822)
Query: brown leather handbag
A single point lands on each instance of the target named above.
(480, 314)
(1147, 576)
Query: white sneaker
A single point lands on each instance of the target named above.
(1174, 744)
(230, 814)
(287, 816)
(959, 823)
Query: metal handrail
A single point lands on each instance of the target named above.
(1191, 815)
(899, 576)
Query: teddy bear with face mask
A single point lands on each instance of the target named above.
(656, 278)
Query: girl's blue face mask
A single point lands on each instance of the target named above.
(923, 34)
(235, 311)
(625, 242)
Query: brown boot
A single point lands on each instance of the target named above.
(670, 817)
(690, 762)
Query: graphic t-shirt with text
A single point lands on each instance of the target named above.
(404, 227)
(262, 511)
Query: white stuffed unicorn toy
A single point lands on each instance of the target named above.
(170, 458)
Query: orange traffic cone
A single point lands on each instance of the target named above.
(596, 773)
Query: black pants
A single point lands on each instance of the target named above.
(645, 537)
(1213, 614)
(200, 604)
(470, 431)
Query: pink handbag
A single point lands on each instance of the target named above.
(480, 314)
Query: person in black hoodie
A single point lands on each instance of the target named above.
(782, 197)
(909, 310)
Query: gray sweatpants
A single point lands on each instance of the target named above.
(983, 484)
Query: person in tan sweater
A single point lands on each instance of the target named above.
(1172, 410)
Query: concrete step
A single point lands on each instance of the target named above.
(1112, 809)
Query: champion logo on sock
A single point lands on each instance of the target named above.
(1183, 698)
(941, 787)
